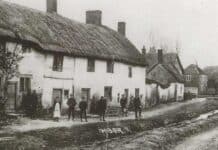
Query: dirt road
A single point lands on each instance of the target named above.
(204, 141)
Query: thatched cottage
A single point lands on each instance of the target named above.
(165, 77)
(62, 56)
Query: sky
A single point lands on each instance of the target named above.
(190, 26)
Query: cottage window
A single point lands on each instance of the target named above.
(26, 48)
(188, 77)
(66, 94)
(137, 92)
(2, 45)
(130, 72)
(110, 66)
(126, 92)
(25, 84)
(91, 65)
(58, 63)
(108, 92)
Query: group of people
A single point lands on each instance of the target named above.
(30, 103)
(136, 102)
(102, 106)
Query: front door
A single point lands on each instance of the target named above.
(11, 101)
(57, 95)
(86, 96)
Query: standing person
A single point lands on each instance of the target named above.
(34, 99)
(140, 107)
(123, 102)
(102, 106)
(71, 106)
(83, 106)
(137, 105)
(57, 109)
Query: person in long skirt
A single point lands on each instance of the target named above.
(57, 109)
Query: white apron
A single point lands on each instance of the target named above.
(57, 111)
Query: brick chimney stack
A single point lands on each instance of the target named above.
(122, 28)
(160, 56)
(94, 17)
(52, 6)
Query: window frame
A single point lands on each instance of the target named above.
(137, 91)
(188, 78)
(130, 72)
(25, 85)
(111, 92)
(110, 66)
(90, 65)
(58, 60)
(3, 45)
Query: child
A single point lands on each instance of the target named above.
(57, 110)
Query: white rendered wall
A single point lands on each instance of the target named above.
(38, 66)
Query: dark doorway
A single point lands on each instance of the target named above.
(11, 103)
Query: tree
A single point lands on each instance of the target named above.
(9, 59)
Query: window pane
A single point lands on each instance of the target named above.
(110, 66)
(22, 84)
(27, 84)
(66, 94)
(58, 63)
(130, 72)
(91, 65)
(126, 91)
(137, 92)
(108, 92)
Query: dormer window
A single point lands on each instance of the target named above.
(58, 62)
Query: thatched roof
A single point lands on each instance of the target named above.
(52, 32)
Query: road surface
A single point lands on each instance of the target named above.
(204, 141)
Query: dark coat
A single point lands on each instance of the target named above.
(83, 105)
(137, 103)
(123, 102)
(102, 105)
(71, 102)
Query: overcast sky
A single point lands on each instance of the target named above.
(190, 24)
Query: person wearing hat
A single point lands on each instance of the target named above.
(83, 106)
(71, 106)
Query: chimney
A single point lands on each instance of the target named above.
(160, 56)
(93, 17)
(52, 6)
(144, 50)
(122, 28)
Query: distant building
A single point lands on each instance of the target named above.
(62, 56)
(195, 80)
(165, 81)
